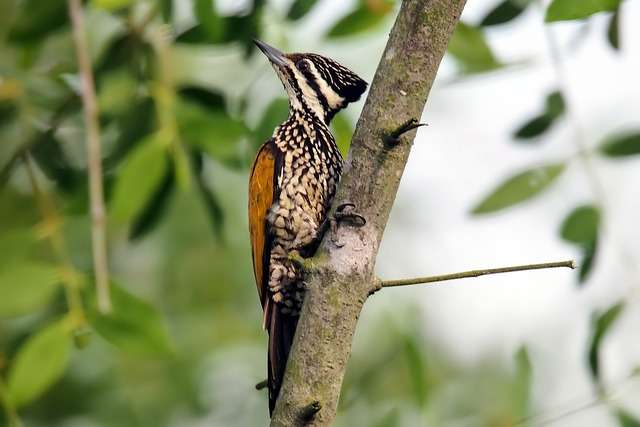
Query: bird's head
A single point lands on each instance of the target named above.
(314, 83)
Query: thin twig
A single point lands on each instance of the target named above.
(50, 227)
(476, 273)
(98, 223)
(588, 405)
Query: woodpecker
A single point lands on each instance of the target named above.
(292, 184)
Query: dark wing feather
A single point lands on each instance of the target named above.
(282, 328)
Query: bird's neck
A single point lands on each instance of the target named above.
(308, 117)
(314, 109)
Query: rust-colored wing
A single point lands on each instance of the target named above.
(263, 191)
(261, 196)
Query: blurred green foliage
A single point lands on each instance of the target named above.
(519, 188)
(581, 228)
(564, 10)
(538, 125)
(182, 345)
(504, 12)
(601, 324)
(469, 47)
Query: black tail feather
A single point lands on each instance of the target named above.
(282, 328)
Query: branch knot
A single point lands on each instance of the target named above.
(393, 138)
(310, 411)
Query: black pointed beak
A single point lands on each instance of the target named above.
(270, 52)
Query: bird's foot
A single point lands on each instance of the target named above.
(298, 260)
(345, 213)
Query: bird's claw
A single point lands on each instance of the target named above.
(346, 213)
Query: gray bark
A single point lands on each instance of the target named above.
(341, 277)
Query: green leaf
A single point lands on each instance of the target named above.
(534, 127)
(244, 29)
(212, 131)
(417, 372)
(505, 11)
(469, 47)
(555, 105)
(117, 91)
(111, 4)
(204, 97)
(36, 19)
(519, 188)
(626, 144)
(358, 21)
(626, 419)
(8, 111)
(211, 23)
(121, 52)
(155, 208)
(586, 264)
(273, 116)
(52, 159)
(135, 127)
(39, 363)
(26, 286)
(581, 225)
(564, 10)
(300, 8)
(581, 228)
(214, 208)
(342, 131)
(140, 176)
(613, 30)
(15, 244)
(522, 383)
(166, 7)
(134, 326)
(554, 108)
(601, 324)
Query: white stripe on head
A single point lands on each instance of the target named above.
(291, 92)
(334, 100)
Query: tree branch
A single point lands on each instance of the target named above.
(343, 276)
(475, 273)
(94, 158)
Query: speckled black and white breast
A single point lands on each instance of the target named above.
(309, 172)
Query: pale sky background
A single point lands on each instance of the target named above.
(463, 154)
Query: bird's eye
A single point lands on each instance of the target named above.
(303, 65)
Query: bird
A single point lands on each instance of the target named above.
(292, 184)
